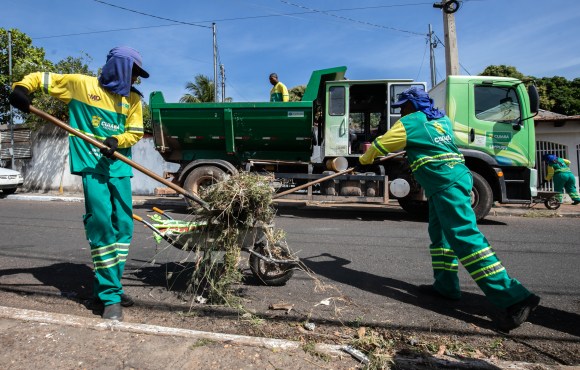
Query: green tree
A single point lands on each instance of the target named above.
(297, 92)
(503, 71)
(25, 59)
(199, 91)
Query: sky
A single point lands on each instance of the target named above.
(375, 39)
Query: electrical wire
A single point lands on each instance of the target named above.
(423, 60)
(351, 19)
(151, 15)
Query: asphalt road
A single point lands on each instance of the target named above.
(368, 263)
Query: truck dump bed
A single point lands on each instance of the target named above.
(234, 132)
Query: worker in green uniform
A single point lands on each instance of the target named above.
(559, 170)
(437, 164)
(107, 108)
(279, 91)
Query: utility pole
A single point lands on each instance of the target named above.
(451, 59)
(432, 66)
(223, 74)
(215, 73)
(11, 111)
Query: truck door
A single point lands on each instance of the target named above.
(336, 121)
(494, 124)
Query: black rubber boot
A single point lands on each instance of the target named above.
(515, 315)
(113, 312)
(126, 300)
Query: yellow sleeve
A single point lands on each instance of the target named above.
(57, 85)
(393, 140)
(550, 173)
(566, 161)
(285, 94)
(133, 125)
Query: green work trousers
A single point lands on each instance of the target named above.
(565, 181)
(455, 236)
(109, 228)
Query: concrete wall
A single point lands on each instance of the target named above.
(48, 170)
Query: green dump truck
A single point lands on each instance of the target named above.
(335, 122)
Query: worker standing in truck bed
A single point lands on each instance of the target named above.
(437, 164)
(279, 91)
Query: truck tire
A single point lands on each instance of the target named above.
(9, 191)
(481, 200)
(201, 177)
(481, 196)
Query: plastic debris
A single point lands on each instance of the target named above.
(200, 299)
(281, 306)
(309, 326)
(325, 302)
(356, 354)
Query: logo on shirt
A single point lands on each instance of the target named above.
(94, 97)
(96, 121)
(439, 128)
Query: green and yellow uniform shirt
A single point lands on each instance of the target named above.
(434, 158)
(561, 165)
(279, 93)
(95, 112)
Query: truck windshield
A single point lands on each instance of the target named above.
(496, 104)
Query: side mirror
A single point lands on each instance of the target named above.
(534, 99)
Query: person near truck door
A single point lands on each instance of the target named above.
(279, 91)
(107, 108)
(559, 170)
(437, 164)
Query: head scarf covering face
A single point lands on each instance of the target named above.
(116, 73)
(421, 101)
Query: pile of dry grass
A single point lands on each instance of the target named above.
(238, 204)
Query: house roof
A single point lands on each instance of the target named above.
(546, 115)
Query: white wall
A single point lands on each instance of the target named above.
(48, 170)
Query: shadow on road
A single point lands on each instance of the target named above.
(471, 308)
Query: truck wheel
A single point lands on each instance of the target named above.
(481, 196)
(9, 191)
(271, 274)
(201, 177)
(416, 208)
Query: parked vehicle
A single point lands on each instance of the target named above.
(10, 180)
(336, 122)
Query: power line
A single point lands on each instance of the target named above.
(179, 23)
(352, 20)
(151, 15)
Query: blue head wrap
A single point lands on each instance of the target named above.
(421, 101)
(550, 158)
(116, 73)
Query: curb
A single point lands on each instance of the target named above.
(101, 324)
(268, 343)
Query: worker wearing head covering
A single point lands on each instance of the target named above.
(559, 170)
(426, 134)
(107, 108)
(279, 91)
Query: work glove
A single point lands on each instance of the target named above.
(19, 99)
(112, 144)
